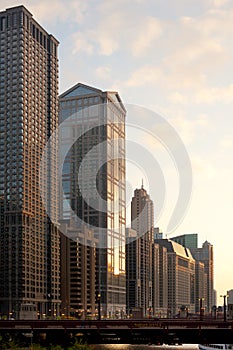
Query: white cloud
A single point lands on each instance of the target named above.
(214, 94)
(148, 32)
(227, 142)
(73, 11)
(82, 44)
(103, 72)
(52, 12)
(178, 98)
(145, 75)
(220, 3)
(203, 169)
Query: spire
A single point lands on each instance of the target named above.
(142, 185)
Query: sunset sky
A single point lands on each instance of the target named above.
(174, 58)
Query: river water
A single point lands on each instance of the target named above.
(146, 347)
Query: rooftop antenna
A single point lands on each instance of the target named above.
(142, 185)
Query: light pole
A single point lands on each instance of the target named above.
(224, 307)
(201, 309)
(98, 301)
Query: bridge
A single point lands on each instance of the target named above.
(143, 331)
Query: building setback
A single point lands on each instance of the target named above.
(99, 119)
(29, 244)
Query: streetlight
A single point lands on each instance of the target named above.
(201, 309)
(224, 307)
(98, 301)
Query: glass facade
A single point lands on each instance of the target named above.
(93, 182)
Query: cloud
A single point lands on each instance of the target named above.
(227, 142)
(148, 32)
(214, 94)
(178, 98)
(103, 72)
(220, 3)
(81, 44)
(145, 75)
(203, 169)
(56, 11)
(74, 11)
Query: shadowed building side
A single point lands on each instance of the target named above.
(29, 244)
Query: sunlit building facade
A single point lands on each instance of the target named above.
(29, 244)
(181, 277)
(93, 181)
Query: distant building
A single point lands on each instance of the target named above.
(157, 233)
(142, 221)
(132, 270)
(187, 240)
(181, 277)
(200, 285)
(230, 304)
(205, 255)
(160, 280)
(214, 297)
(230, 296)
(163, 280)
(155, 277)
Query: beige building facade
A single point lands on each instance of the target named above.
(181, 277)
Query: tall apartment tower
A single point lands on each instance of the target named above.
(29, 244)
(142, 221)
(93, 181)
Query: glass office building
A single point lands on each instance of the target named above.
(93, 182)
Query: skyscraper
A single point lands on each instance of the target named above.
(29, 245)
(140, 251)
(93, 181)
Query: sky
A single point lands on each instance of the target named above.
(174, 58)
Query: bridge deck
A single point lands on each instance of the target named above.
(129, 331)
